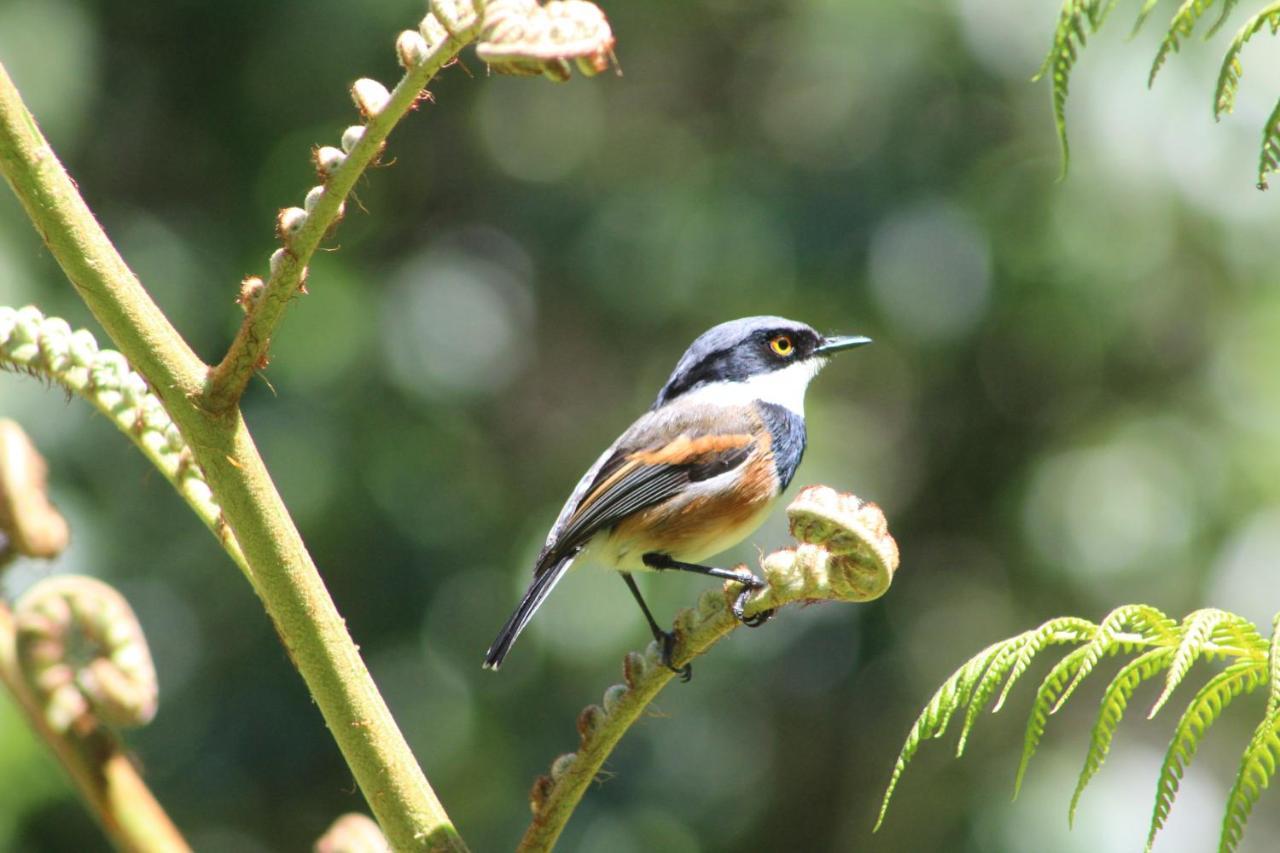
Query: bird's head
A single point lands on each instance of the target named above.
(771, 359)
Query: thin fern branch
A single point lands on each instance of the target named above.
(515, 37)
(75, 660)
(47, 347)
(203, 404)
(282, 572)
(846, 554)
(443, 34)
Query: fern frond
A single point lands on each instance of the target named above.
(1160, 644)
(1148, 6)
(1273, 668)
(1013, 661)
(1055, 631)
(1181, 26)
(974, 682)
(1197, 629)
(1076, 18)
(1227, 7)
(1150, 624)
(1208, 704)
(1224, 96)
(985, 688)
(935, 717)
(1114, 702)
(1241, 634)
(1257, 766)
(1047, 699)
(1269, 159)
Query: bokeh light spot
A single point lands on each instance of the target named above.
(1111, 509)
(540, 133)
(930, 271)
(456, 323)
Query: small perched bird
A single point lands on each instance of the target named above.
(696, 474)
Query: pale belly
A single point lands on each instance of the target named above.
(690, 533)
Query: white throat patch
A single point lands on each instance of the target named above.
(783, 387)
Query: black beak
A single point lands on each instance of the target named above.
(839, 343)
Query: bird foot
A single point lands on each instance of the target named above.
(667, 644)
(740, 605)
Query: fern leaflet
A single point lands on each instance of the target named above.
(986, 686)
(1047, 698)
(1152, 625)
(1273, 668)
(982, 671)
(1269, 159)
(1067, 630)
(1148, 6)
(1183, 24)
(1197, 629)
(1069, 38)
(933, 720)
(1204, 710)
(1256, 769)
(1224, 98)
(1201, 714)
(1114, 703)
(1161, 645)
(1227, 7)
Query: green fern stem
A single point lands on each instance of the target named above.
(47, 347)
(846, 554)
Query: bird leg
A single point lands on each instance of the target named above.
(666, 640)
(750, 583)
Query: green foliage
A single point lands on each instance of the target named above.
(1114, 702)
(1162, 645)
(1069, 36)
(1183, 24)
(976, 678)
(1050, 695)
(1269, 159)
(1224, 95)
(1081, 18)
(1204, 709)
(1256, 769)
(1197, 628)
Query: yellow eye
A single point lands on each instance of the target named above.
(781, 344)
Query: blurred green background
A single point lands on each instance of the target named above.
(1073, 401)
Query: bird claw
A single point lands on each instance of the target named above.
(668, 645)
(740, 605)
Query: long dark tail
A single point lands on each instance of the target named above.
(537, 592)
